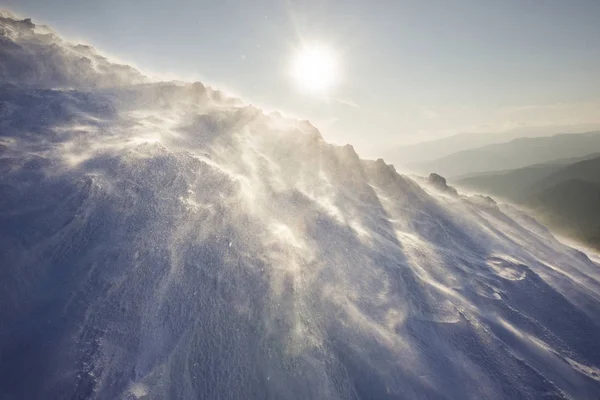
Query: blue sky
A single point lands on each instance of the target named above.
(411, 70)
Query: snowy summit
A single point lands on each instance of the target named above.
(163, 240)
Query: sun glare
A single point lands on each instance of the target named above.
(315, 68)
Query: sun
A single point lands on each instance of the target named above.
(315, 68)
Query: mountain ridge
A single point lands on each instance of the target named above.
(430, 150)
(517, 153)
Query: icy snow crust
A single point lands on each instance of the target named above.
(161, 240)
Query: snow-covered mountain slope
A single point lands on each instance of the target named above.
(161, 240)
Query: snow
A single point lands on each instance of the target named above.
(160, 240)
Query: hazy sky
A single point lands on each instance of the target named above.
(411, 70)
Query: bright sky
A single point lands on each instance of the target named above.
(407, 71)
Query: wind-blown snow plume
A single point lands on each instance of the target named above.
(160, 240)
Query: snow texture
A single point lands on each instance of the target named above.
(162, 240)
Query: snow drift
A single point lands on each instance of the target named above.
(161, 240)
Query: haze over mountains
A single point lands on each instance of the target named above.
(162, 240)
(555, 177)
(434, 149)
(517, 153)
(567, 197)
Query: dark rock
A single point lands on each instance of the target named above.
(439, 182)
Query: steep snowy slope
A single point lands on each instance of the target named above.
(160, 240)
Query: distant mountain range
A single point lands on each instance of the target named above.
(565, 197)
(517, 153)
(434, 149)
(438, 148)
